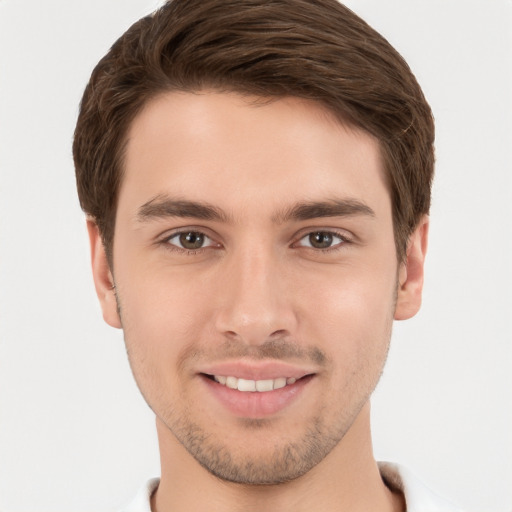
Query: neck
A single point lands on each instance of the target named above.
(347, 479)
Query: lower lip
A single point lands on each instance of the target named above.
(256, 404)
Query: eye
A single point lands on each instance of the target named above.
(190, 240)
(322, 240)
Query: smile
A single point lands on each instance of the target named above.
(260, 386)
(271, 389)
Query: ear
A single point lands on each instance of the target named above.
(103, 279)
(411, 272)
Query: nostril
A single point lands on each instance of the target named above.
(281, 333)
(232, 336)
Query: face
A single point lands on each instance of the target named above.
(256, 278)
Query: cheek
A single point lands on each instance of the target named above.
(355, 320)
(358, 342)
(352, 297)
(161, 317)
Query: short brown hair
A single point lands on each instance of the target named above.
(313, 49)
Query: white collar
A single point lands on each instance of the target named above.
(418, 497)
(142, 502)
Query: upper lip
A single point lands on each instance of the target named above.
(256, 370)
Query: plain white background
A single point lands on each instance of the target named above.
(75, 435)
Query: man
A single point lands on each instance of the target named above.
(257, 178)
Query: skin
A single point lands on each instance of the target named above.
(260, 289)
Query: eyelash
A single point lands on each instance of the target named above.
(344, 240)
(189, 252)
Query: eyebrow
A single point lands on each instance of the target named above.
(330, 208)
(163, 206)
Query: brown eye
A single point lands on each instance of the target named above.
(320, 239)
(191, 240)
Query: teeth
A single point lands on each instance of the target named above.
(264, 385)
(254, 385)
(246, 385)
(279, 383)
(232, 382)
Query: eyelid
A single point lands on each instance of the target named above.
(177, 235)
(343, 236)
(166, 238)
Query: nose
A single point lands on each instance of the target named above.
(255, 302)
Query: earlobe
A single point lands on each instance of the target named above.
(410, 278)
(103, 279)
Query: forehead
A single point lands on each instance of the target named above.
(225, 148)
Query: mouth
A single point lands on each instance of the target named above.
(254, 386)
(256, 398)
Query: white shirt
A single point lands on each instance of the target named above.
(418, 497)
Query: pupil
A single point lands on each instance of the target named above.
(320, 240)
(192, 240)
